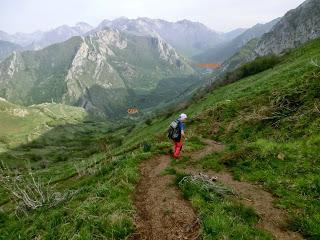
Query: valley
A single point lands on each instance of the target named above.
(84, 115)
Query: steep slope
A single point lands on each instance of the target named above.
(269, 123)
(105, 72)
(224, 51)
(199, 37)
(37, 76)
(229, 36)
(242, 56)
(296, 27)
(6, 48)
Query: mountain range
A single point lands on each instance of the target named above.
(295, 28)
(141, 63)
(41, 39)
(200, 37)
(98, 70)
(105, 72)
(223, 51)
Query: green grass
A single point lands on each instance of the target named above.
(101, 209)
(71, 153)
(102, 206)
(222, 217)
(212, 161)
(81, 157)
(20, 125)
(269, 115)
(270, 124)
(243, 54)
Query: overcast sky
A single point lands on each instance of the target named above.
(220, 15)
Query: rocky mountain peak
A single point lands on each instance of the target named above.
(295, 28)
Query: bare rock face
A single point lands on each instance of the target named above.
(92, 57)
(295, 28)
(15, 64)
(298, 26)
(12, 66)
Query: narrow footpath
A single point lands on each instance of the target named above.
(162, 213)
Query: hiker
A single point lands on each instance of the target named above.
(176, 134)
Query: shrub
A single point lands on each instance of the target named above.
(117, 142)
(146, 147)
(130, 128)
(44, 164)
(30, 193)
(35, 157)
(61, 158)
(148, 122)
(258, 65)
(4, 139)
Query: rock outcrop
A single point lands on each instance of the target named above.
(295, 28)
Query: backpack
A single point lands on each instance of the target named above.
(174, 132)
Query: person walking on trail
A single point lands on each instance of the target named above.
(176, 133)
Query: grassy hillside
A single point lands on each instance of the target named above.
(61, 159)
(243, 55)
(270, 123)
(78, 176)
(21, 125)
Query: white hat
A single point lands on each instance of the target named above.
(183, 116)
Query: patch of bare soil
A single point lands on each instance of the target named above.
(162, 213)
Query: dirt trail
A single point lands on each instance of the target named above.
(272, 219)
(162, 212)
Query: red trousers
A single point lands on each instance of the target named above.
(177, 149)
